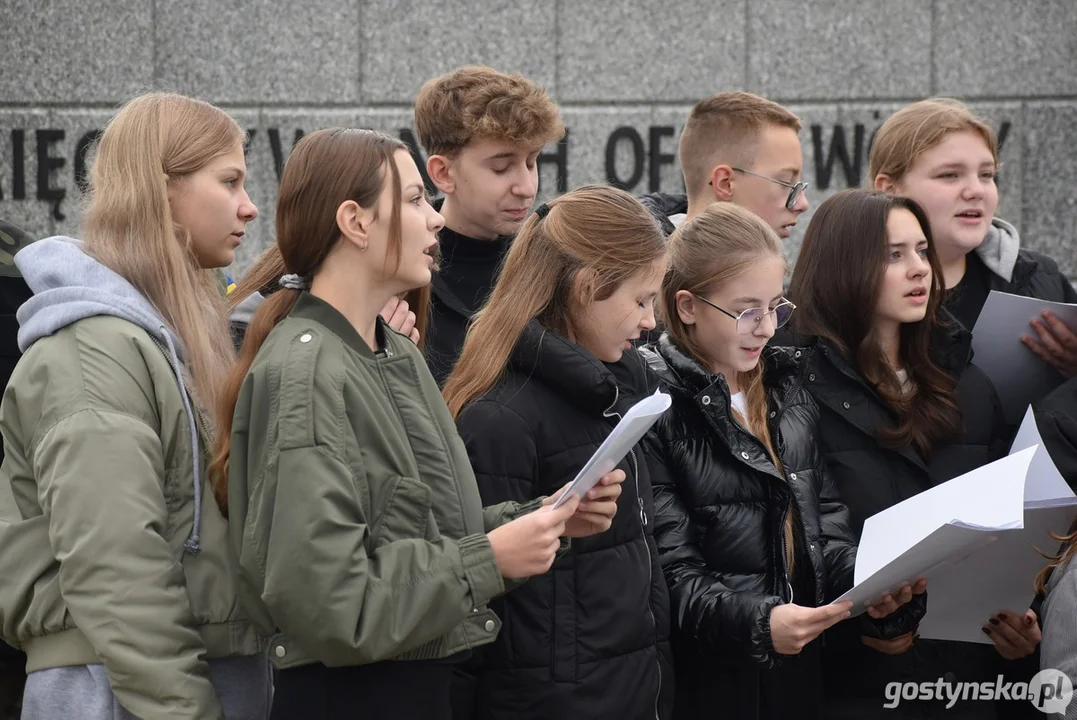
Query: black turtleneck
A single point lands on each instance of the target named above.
(469, 266)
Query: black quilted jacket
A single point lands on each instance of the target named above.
(720, 507)
(590, 638)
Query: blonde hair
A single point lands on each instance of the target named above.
(595, 229)
(705, 253)
(157, 139)
(726, 128)
(479, 102)
(915, 129)
(1065, 554)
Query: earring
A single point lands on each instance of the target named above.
(362, 248)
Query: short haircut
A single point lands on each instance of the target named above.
(477, 102)
(916, 128)
(726, 128)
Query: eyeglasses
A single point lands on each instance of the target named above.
(749, 320)
(795, 189)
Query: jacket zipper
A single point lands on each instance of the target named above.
(788, 586)
(792, 495)
(610, 412)
(207, 430)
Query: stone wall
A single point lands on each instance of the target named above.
(626, 73)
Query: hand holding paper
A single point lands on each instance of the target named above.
(1022, 373)
(1054, 343)
(974, 538)
(594, 515)
(892, 602)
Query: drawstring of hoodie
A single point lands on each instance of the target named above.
(191, 546)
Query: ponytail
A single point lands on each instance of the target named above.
(262, 277)
(755, 405)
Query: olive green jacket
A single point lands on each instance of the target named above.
(353, 509)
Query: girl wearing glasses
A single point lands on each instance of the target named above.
(900, 410)
(752, 538)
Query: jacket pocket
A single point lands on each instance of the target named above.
(405, 514)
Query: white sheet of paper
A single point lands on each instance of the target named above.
(1019, 376)
(906, 540)
(979, 561)
(633, 426)
(997, 577)
(1045, 483)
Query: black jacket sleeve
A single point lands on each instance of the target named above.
(839, 542)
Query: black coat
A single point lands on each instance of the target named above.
(721, 505)
(1056, 419)
(1037, 276)
(871, 478)
(590, 638)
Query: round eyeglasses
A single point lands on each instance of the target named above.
(749, 320)
(795, 189)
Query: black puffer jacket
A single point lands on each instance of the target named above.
(664, 207)
(1056, 419)
(871, 478)
(721, 506)
(590, 638)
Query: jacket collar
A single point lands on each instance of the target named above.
(836, 384)
(568, 368)
(680, 370)
(311, 307)
(709, 392)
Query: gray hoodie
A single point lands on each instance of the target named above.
(68, 286)
(1000, 248)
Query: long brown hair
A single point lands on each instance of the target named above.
(705, 253)
(836, 285)
(155, 140)
(595, 229)
(263, 275)
(1063, 556)
(325, 169)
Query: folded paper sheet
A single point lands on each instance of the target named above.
(1020, 377)
(633, 426)
(974, 538)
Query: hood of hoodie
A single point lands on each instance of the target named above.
(245, 310)
(70, 285)
(1000, 247)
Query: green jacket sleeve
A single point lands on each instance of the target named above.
(495, 516)
(100, 481)
(342, 604)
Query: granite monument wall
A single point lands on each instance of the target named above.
(625, 72)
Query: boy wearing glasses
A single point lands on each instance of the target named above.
(741, 148)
